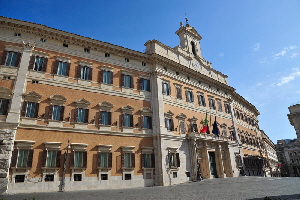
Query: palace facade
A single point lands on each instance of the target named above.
(77, 114)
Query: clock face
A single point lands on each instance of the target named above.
(196, 64)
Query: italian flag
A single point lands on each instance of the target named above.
(205, 125)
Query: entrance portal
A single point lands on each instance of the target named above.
(212, 164)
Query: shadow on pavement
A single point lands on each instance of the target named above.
(281, 197)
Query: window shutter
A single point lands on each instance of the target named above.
(72, 159)
(170, 161)
(30, 157)
(23, 112)
(148, 86)
(109, 118)
(62, 109)
(4, 55)
(76, 115)
(90, 73)
(44, 158)
(195, 128)
(143, 160)
(122, 80)
(98, 160)
(36, 111)
(55, 67)
(78, 71)
(100, 117)
(172, 125)
(131, 82)
(152, 160)
(150, 122)
(50, 112)
(199, 100)
(132, 160)
(180, 93)
(122, 159)
(142, 121)
(163, 88)
(182, 128)
(18, 59)
(86, 116)
(169, 89)
(31, 62)
(45, 64)
(111, 77)
(186, 95)
(109, 160)
(122, 120)
(6, 103)
(131, 120)
(58, 156)
(14, 158)
(101, 76)
(192, 95)
(166, 123)
(177, 160)
(84, 161)
(204, 104)
(68, 66)
(140, 84)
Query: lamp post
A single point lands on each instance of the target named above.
(63, 182)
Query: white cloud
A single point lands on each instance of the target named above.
(289, 78)
(294, 55)
(284, 51)
(221, 54)
(256, 47)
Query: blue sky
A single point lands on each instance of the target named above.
(256, 43)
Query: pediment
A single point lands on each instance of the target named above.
(5, 93)
(82, 103)
(32, 96)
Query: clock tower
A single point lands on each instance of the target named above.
(189, 40)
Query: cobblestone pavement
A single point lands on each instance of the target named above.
(228, 188)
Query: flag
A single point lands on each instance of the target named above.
(205, 125)
(215, 128)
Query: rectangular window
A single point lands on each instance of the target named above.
(86, 50)
(19, 178)
(212, 104)
(17, 34)
(145, 84)
(143, 64)
(127, 176)
(107, 55)
(51, 159)
(49, 178)
(65, 45)
(104, 160)
(169, 124)
(194, 128)
(126, 60)
(82, 115)
(56, 112)
(11, 59)
(84, 73)
(189, 96)
(4, 103)
(31, 110)
(127, 81)
(77, 177)
(23, 158)
(178, 92)
(62, 68)
(147, 122)
(43, 40)
(127, 160)
(107, 77)
(201, 100)
(166, 89)
(104, 177)
(219, 106)
(147, 160)
(174, 160)
(38, 64)
(105, 118)
(227, 109)
(78, 159)
(128, 120)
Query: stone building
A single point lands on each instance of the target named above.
(288, 151)
(77, 113)
(271, 156)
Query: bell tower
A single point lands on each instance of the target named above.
(189, 39)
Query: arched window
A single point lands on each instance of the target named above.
(193, 48)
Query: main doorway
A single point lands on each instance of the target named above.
(212, 164)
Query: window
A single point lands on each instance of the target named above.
(51, 158)
(49, 178)
(30, 109)
(104, 176)
(219, 106)
(105, 118)
(126, 60)
(147, 122)
(178, 92)
(169, 124)
(127, 120)
(6, 77)
(107, 55)
(127, 81)
(143, 64)
(227, 109)
(194, 128)
(17, 34)
(43, 40)
(77, 177)
(174, 174)
(201, 100)
(65, 45)
(127, 176)
(35, 82)
(189, 96)
(86, 50)
(78, 159)
(82, 115)
(38, 63)
(11, 59)
(166, 89)
(174, 161)
(212, 104)
(62, 68)
(148, 160)
(145, 84)
(22, 158)
(19, 178)
(106, 76)
(85, 73)
(4, 103)
(104, 159)
(193, 48)
(128, 160)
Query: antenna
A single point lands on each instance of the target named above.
(186, 20)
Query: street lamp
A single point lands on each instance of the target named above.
(63, 182)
